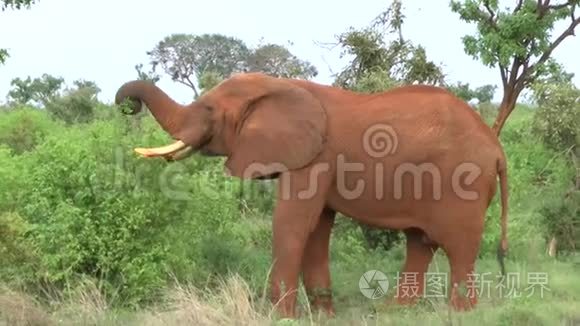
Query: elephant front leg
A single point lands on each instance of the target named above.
(315, 264)
(296, 216)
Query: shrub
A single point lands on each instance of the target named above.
(21, 129)
(561, 219)
(98, 211)
(557, 120)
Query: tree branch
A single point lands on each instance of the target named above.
(492, 17)
(518, 6)
(192, 85)
(503, 73)
(514, 71)
(560, 6)
(568, 32)
(526, 66)
(491, 13)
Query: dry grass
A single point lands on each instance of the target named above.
(19, 309)
(231, 304)
(234, 303)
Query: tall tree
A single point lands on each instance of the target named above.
(12, 4)
(484, 94)
(201, 61)
(186, 57)
(276, 60)
(404, 61)
(70, 104)
(38, 91)
(518, 40)
(75, 104)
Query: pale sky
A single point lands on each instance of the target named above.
(103, 40)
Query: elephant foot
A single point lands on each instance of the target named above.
(461, 303)
(325, 307)
(408, 294)
(322, 301)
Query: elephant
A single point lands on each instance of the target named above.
(414, 158)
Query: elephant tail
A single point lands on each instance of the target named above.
(503, 245)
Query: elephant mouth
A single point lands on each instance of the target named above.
(173, 152)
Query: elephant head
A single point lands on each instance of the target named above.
(263, 125)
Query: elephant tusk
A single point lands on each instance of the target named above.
(180, 154)
(161, 151)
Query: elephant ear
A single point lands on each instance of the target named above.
(283, 130)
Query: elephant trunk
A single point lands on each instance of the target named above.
(166, 111)
(189, 126)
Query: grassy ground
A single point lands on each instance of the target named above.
(521, 302)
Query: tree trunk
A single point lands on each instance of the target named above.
(508, 103)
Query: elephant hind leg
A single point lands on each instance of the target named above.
(462, 254)
(420, 251)
(315, 264)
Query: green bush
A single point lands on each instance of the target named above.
(561, 219)
(21, 129)
(96, 210)
(557, 120)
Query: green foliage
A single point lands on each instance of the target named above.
(511, 33)
(278, 61)
(377, 80)
(93, 209)
(403, 61)
(487, 111)
(561, 218)
(185, 57)
(3, 56)
(71, 105)
(15, 4)
(23, 128)
(538, 177)
(209, 80)
(76, 105)
(463, 91)
(38, 91)
(558, 117)
(557, 124)
(200, 61)
(483, 94)
(516, 39)
(552, 72)
(151, 76)
(16, 252)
